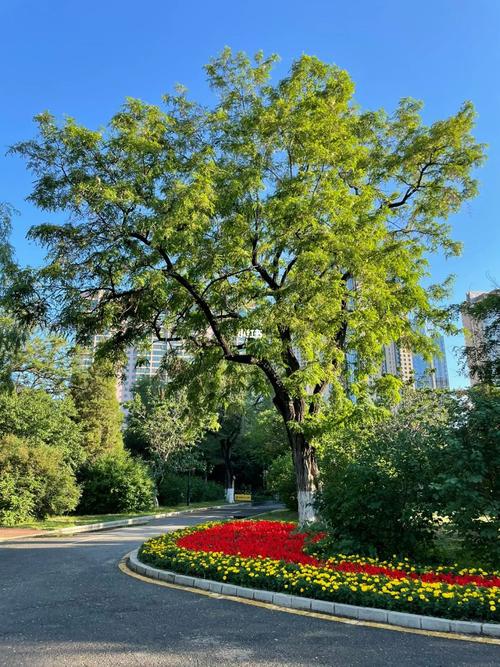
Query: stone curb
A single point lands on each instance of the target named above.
(372, 614)
(119, 523)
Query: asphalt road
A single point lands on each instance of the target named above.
(63, 601)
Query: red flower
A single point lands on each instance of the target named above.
(280, 541)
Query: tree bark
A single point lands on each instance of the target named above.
(226, 451)
(303, 455)
(306, 476)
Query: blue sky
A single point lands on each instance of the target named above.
(83, 58)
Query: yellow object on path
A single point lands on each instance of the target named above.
(243, 497)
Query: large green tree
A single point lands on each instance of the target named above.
(166, 425)
(12, 336)
(283, 211)
(250, 436)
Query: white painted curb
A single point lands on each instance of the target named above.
(401, 619)
(119, 523)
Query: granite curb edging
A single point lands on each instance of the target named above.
(372, 614)
(119, 523)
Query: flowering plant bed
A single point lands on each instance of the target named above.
(270, 555)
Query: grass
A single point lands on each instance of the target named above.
(69, 521)
(278, 515)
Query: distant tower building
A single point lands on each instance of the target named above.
(146, 363)
(398, 361)
(432, 374)
(139, 364)
(474, 332)
(87, 354)
(414, 368)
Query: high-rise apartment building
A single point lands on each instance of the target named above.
(140, 362)
(87, 354)
(398, 361)
(414, 368)
(474, 333)
(432, 374)
(144, 363)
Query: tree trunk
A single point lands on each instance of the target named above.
(306, 475)
(226, 450)
(303, 454)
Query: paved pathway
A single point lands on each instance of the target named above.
(63, 601)
(11, 533)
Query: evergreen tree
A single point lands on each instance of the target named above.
(99, 415)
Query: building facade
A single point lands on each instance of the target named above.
(474, 333)
(413, 368)
(140, 363)
(432, 374)
(397, 361)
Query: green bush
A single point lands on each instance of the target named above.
(116, 483)
(201, 490)
(173, 489)
(431, 468)
(17, 501)
(468, 476)
(375, 508)
(281, 480)
(35, 481)
(378, 495)
(40, 419)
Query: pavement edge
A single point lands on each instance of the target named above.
(344, 613)
(119, 523)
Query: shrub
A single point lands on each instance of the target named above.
(17, 501)
(371, 507)
(201, 490)
(281, 480)
(173, 489)
(116, 483)
(40, 419)
(468, 477)
(379, 498)
(34, 481)
(432, 467)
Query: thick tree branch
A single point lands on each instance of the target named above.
(196, 296)
(289, 357)
(267, 277)
(412, 189)
(287, 270)
(263, 364)
(225, 277)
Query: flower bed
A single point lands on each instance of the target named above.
(270, 555)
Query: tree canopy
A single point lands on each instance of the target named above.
(283, 228)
